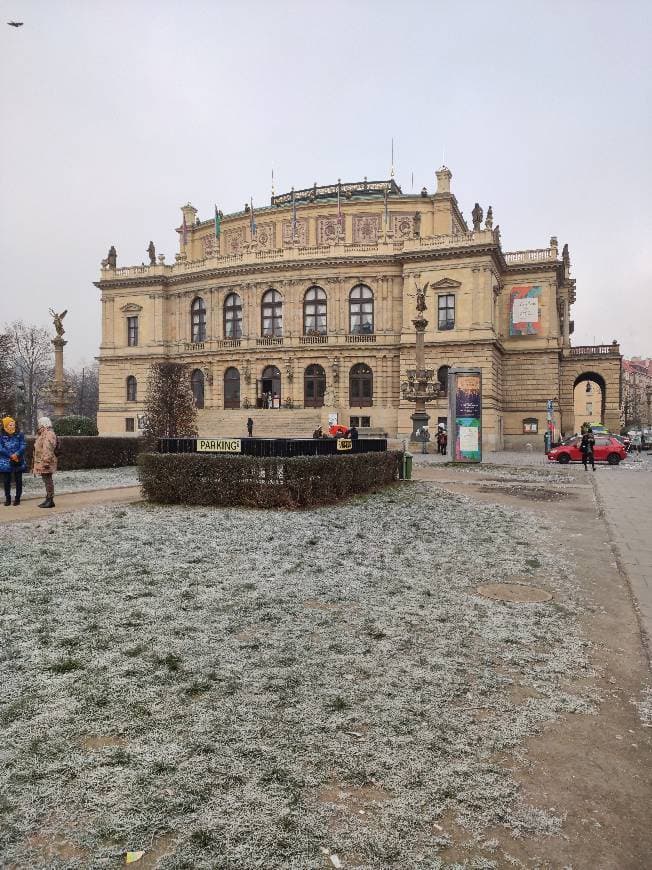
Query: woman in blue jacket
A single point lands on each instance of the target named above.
(12, 458)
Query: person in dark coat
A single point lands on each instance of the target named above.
(586, 446)
(353, 433)
(12, 458)
(250, 427)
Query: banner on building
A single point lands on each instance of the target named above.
(465, 397)
(525, 310)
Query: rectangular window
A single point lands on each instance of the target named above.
(446, 311)
(129, 424)
(132, 331)
(589, 407)
(354, 421)
(365, 422)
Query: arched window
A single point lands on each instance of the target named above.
(314, 386)
(361, 310)
(361, 386)
(231, 388)
(198, 320)
(132, 389)
(272, 314)
(233, 316)
(442, 379)
(197, 384)
(314, 312)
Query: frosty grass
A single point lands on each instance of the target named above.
(88, 478)
(240, 684)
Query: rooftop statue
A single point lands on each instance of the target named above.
(56, 319)
(476, 216)
(151, 250)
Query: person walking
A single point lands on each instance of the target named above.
(45, 458)
(586, 446)
(250, 427)
(353, 433)
(12, 458)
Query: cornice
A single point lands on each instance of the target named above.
(319, 263)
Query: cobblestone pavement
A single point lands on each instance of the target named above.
(625, 498)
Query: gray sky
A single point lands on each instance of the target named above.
(116, 113)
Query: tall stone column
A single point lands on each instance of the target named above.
(57, 390)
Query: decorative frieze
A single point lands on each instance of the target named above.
(301, 232)
(328, 230)
(366, 229)
(234, 240)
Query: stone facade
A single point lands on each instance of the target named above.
(344, 262)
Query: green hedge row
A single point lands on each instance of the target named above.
(100, 451)
(263, 482)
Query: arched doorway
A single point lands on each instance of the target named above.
(314, 386)
(269, 388)
(361, 386)
(589, 397)
(231, 388)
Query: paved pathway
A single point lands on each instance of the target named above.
(625, 496)
(71, 501)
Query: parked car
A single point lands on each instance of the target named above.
(607, 449)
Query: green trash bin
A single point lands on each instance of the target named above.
(407, 466)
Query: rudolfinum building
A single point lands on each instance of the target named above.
(304, 308)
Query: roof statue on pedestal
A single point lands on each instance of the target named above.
(488, 224)
(57, 320)
(111, 259)
(476, 216)
(151, 250)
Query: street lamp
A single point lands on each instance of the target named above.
(420, 386)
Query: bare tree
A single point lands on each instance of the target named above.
(7, 377)
(84, 383)
(31, 357)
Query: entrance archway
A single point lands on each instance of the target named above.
(314, 386)
(589, 399)
(269, 388)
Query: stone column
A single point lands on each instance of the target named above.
(566, 324)
(58, 390)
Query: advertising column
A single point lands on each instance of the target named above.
(465, 414)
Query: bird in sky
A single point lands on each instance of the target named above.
(15, 23)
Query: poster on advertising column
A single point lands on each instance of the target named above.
(465, 392)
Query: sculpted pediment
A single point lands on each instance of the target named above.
(445, 284)
(130, 306)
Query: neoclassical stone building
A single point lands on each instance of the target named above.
(307, 305)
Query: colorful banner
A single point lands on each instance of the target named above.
(466, 400)
(524, 311)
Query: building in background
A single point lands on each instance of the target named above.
(304, 308)
(637, 393)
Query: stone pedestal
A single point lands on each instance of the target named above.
(57, 390)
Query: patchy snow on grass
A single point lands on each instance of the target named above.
(84, 479)
(243, 689)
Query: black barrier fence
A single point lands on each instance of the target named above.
(282, 447)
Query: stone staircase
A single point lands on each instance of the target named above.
(269, 423)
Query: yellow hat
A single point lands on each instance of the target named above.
(8, 423)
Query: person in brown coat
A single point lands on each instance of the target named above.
(45, 458)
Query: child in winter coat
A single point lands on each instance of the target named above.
(12, 458)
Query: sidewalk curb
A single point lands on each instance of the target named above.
(646, 640)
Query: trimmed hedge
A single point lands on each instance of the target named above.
(75, 425)
(99, 451)
(263, 482)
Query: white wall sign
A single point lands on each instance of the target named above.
(526, 310)
(468, 438)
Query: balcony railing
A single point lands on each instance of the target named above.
(313, 339)
(359, 339)
(594, 350)
(535, 255)
(268, 340)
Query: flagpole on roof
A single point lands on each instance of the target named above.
(391, 174)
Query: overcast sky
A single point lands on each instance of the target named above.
(116, 113)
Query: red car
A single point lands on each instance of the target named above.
(607, 449)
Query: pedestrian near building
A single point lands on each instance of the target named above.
(442, 441)
(250, 427)
(45, 458)
(586, 446)
(12, 458)
(353, 433)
